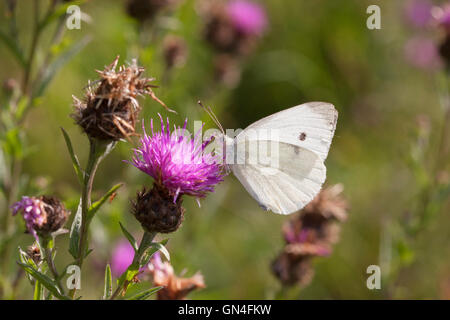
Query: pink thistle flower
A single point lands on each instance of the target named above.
(442, 16)
(418, 12)
(32, 212)
(423, 53)
(176, 162)
(43, 215)
(248, 17)
(122, 257)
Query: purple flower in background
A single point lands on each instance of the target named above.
(177, 162)
(32, 212)
(422, 53)
(418, 12)
(248, 17)
(122, 256)
(443, 16)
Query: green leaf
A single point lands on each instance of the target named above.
(75, 233)
(160, 246)
(59, 62)
(145, 294)
(75, 162)
(21, 107)
(107, 292)
(11, 44)
(48, 283)
(154, 247)
(129, 237)
(13, 144)
(97, 205)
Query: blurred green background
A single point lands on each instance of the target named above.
(312, 51)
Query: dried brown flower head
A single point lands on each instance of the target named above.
(144, 10)
(221, 34)
(56, 215)
(174, 287)
(329, 204)
(175, 51)
(157, 211)
(110, 108)
(34, 253)
(311, 233)
(292, 269)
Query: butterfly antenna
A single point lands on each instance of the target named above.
(211, 114)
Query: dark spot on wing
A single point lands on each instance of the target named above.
(302, 136)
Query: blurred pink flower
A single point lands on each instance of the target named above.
(443, 16)
(248, 17)
(422, 53)
(122, 257)
(418, 12)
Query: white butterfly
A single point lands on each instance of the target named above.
(303, 138)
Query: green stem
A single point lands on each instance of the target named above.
(34, 42)
(47, 250)
(98, 150)
(147, 238)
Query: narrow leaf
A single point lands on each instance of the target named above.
(13, 47)
(59, 62)
(97, 205)
(129, 237)
(162, 249)
(75, 233)
(154, 247)
(145, 294)
(48, 283)
(75, 162)
(107, 292)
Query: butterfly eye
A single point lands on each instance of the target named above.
(302, 136)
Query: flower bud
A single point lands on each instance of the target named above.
(34, 253)
(157, 210)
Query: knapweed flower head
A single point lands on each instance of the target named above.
(179, 166)
(292, 269)
(247, 16)
(145, 10)
(441, 14)
(174, 287)
(315, 228)
(177, 162)
(233, 27)
(34, 253)
(311, 233)
(43, 215)
(110, 108)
